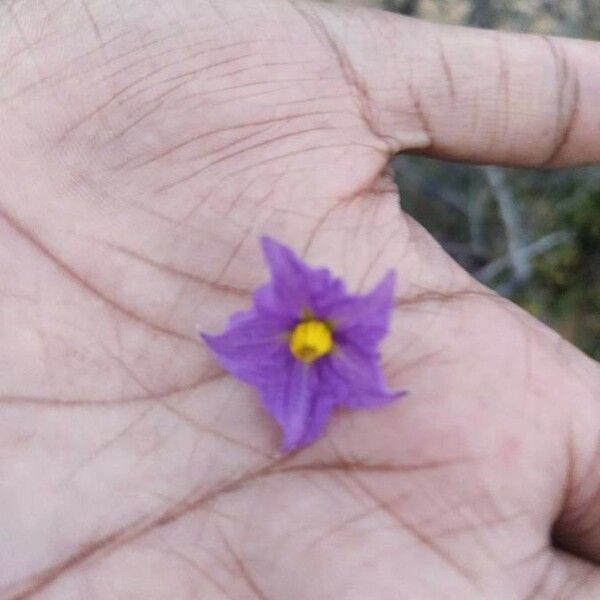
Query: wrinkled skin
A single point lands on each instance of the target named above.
(143, 149)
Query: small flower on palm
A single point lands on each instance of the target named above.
(308, 345)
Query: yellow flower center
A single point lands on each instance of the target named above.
(310, 340)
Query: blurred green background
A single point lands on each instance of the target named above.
(533, 235)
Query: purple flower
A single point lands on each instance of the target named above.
(307, 345)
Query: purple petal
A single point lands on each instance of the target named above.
(325, 291)
(317, 418)
(354, 379)
(296, 403)
(363, 321)
(268, 302)
(295, 287)
(289, 278)
(292, 398)
(251, 348)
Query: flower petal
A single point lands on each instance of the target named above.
(364, 320)
(292, 398)
(354, 379)
(268, 302)
(295, 287)
(316, 421)
(251, 348)
(289, 277)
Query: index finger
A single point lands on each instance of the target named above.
(473, 95)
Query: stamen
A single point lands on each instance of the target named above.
(310, 340)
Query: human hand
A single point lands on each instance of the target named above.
(144, 148)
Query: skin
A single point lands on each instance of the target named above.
(144, 148)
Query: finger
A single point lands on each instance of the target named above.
(481, 96)
(578, 528)
(565, 576)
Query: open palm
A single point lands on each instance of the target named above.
(144, 149)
